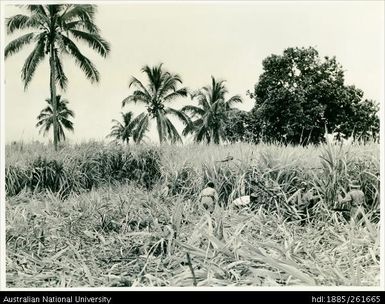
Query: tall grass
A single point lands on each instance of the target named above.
(80, 168)
(116, 227)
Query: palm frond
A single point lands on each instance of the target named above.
(136, 82)
(234, 99)
(116, 130)
(203, 101)
(77, 24)
(179, 114)
(84, 63)
(68, 125)
(178, 93)
(194, 94)
(194, 110)
(46, 111)
(154, 76)
(203, 134)
(95, 41)
(16, 45)
(54, 9)
(135, 97)
(84, 13)
(61, 78)
(217, 106)
(38, 9)
(20, 22)
(168, 82)
(142, 122)
(127, 117)
(172, 132)
(192, 127)
(60, 131)
(42, 118)
(66, 113)
(32, 62)
(45, 125)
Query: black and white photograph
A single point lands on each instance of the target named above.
(195, 144)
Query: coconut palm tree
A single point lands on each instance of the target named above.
(46, 118)
(55, 29)
(211, 113)
(129, 128)
(161, 89)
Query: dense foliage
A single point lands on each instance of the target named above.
(112, 229)
(299, 94)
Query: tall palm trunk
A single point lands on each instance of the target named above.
(53, 95)
(160, 129)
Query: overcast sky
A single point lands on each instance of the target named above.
(225, 39)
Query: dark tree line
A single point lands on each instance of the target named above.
(300, 95)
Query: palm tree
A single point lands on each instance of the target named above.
(46, 118)
(161, 89)
(53, 29)
(211, 113)
(129, 128)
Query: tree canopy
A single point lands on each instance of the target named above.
(162, 88)
(64, 114)
(211, 114)
(299, 94)
(129, 128)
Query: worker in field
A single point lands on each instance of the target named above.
(352, 201)
(305, 201)
(209, 197)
